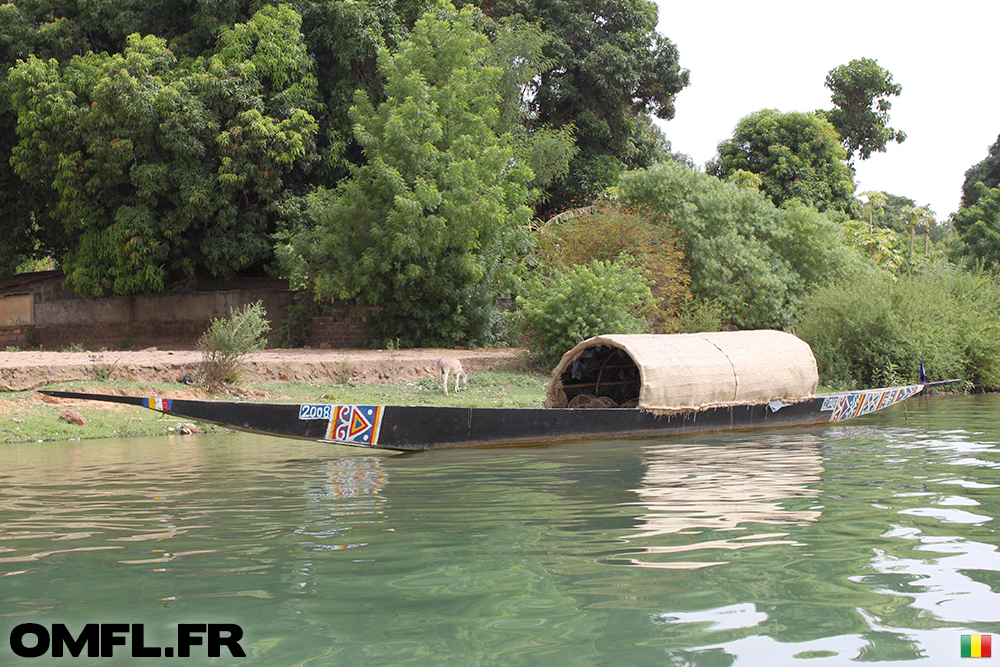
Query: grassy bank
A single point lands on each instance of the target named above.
(24, 417)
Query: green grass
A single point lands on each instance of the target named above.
(25, 418)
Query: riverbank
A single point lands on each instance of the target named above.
(24, 371)
(497, 378)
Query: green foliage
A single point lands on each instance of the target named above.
(861, 91)
(751, 259)
(227, 343)
(867, 329)
(156, 168)
(636, 236)
(979, 228)
(699, 316)
(796, 155)
(579, 302)
(878, 244)
(986, 172)
(606, 69)
(425, 233)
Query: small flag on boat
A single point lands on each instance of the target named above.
(976, 646)
(923, 375)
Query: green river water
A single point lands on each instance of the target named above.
(873, 541)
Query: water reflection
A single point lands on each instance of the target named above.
(348, 494)
(867, 543)
(689, 489)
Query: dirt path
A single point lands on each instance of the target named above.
(22, 371)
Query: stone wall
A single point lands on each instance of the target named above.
(337, 332)
(18, 336)
(35, 309)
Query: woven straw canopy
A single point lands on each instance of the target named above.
(666, 374)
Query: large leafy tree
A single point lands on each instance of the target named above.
(986, 172)
(156, 169)
(796, 155)
(860, 92)
(607, 71)
(979, 227)
(342, 38)
(425, 231)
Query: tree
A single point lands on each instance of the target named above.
(607, 71)
(157, 169)
(797, 156)
(425, 232)
(861, 91)
(748, 257)
(979, 227)
(874, 202)
(342, 37)
(986, 172)
(917, 216)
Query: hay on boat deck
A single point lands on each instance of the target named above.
(685, 372)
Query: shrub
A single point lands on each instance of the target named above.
(636, 235)
(583, 301)
(869, 331)
(752, 260)
(227, 343)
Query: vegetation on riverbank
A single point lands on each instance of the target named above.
(480, 175)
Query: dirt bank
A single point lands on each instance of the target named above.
(22, 371)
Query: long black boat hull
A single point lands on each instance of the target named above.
(413, 428)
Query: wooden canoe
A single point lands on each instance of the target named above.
(414, 428)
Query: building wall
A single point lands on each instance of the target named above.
(35, 310)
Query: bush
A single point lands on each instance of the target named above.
(752, 260)
(228, 342)
(584, 301)
(636, 235)
(874, 331)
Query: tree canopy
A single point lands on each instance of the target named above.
(152, 168)
(979, 227)
(986, 172)
(750, 258)
(425, 231)
(796, 155)
(860, 92)
(607, 70)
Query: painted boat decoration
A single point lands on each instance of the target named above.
(668, 384)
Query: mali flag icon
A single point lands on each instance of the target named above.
(976, 646)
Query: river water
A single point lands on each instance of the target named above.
(873, 541)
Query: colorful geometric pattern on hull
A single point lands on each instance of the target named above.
(856, 404)
(353, 424)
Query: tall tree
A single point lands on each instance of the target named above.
(861, 91)
(986, 172)
(425, 231)
(979, 227)
(156, 169)
(797, 156)
(608, 70)
(342, 38)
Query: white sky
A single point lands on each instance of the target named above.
(749, 55)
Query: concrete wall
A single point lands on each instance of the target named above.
(17, 310)
(171, 320)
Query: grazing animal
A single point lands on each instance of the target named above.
(448, 365)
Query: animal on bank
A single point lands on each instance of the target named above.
(447, 366)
